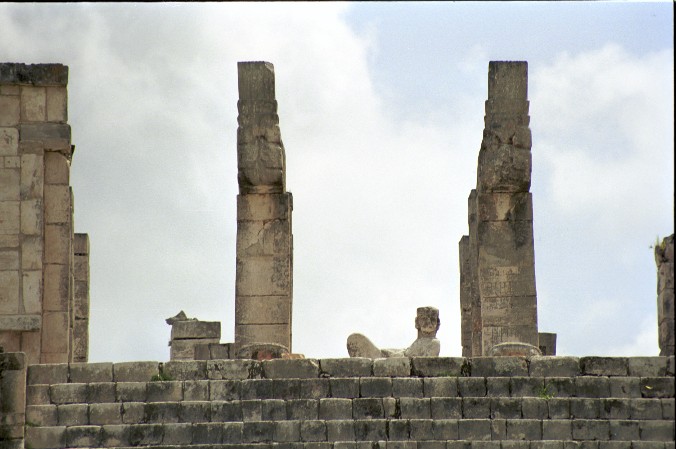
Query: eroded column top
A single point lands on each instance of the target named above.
(256, 80)
(35, 74)
(508, 80)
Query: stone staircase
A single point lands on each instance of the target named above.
(425, 403)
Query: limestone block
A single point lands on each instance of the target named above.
(31, 217)
(9, 110)
(504, 169)
(509, 310)
(45, 437)
(57, 104)
(51, 136)
(57, 203)
(9, 141)
(9, 260)
(80, 341)
(665, 304)
(185, 349)
(182, 330)
(33, 104)
(57, 243)
(81, 300)
(263, 276)
(20, 323)
(547, 343)
(346, 367)
(32, 176)
(439, 366)
(508, 80)
(10, 161)
(55, 332)
(465, 296)
(263, 333)
(290, 369)
(392, 366)
(264, 207)
(30, 345)
(263, 238)
(31, 253)
(9, 293)
(57, 168)
(262, 310)
(233, 369)
(9, 217)
(604, 366)
(32, 291)
(134, 371)
(499, 366)
(55, 357)
(186, 369)
(554, 366)
(501, 206)
(56, 287)
(81, 268)
(9, 241)
(9, 184)
(9, 340)
(80, 244)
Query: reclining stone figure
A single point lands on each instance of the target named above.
(426, 345)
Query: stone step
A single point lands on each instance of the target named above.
(610, 433)
(354, 367)
(354, 387)
(341, 409)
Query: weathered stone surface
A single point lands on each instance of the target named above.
(352, 367)
(9, 112)
(35, 74)
(181, 330)
(290, 369)
(664, 258)
(134, 371)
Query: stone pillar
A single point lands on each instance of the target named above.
(506, 259)
(664, 257)
(36, 225)
(547, 343)
(474, 276)
(465, 297)
(264, 280)
(81, 298)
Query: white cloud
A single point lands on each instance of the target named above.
(380, 202)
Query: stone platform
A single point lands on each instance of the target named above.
(358, 403)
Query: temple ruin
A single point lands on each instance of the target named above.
(254, 392)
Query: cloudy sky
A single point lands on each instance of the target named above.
(381, 113)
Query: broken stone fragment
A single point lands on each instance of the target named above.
(181, 316)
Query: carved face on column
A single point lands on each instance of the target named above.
(427, 321)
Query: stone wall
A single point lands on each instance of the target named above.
(36, 215)
(425, 403)
(12, 399)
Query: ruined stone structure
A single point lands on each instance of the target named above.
(190, 336)
(664, 257)
(49, 400)
(44, 295)
(497, 260)
(264, 283)
(357, 403)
